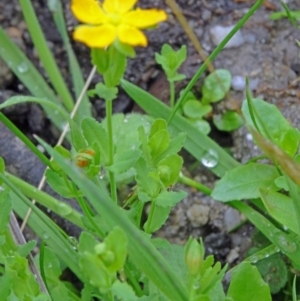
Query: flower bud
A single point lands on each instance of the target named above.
(194, 255)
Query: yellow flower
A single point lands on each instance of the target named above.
(111, 20)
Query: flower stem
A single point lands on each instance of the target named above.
(112, 180)
(190, 182)
(172, 94)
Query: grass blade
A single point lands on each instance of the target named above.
(28, 75)
(77, 78)
(45, 54)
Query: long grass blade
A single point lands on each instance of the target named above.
(29, 76)
(77, 78)
(45, 54)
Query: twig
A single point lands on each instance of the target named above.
(61, 138)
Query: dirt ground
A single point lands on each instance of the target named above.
(268, 54)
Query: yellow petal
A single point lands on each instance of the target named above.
(143, 18)
(118, 6)
(88, 11)
(96, 36)
(131, 36)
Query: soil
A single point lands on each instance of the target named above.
(268, 55)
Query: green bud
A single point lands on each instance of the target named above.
(194, 255)
(100, 248)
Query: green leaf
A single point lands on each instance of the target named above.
(2, 165)
(169, 168)
(158, 143)
(230, 121)
(247, 285)
(116, 242)
(282, 134)
(281, 208)
(244, 182)
(273, 270)
(94, 132)
(144, 181)
(124, 161)
(174, 147)
(59, 184)
(195, 109)
(104, 92)
(281, 183)
(116, 68)
(77, 138)
(201, 125)
(159, 218)
(171, 60)
(5, 205)
(158, 125)
(174, 255)
(216, 85)
(125, 49)
(123, 291)
(100, 58)
(170, 198)
(290, 141)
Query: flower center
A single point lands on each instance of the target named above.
(114, 19)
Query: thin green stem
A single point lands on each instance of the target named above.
(172, 94)
(45, 54)
(25, 140)
(133, 281)
(213, 56)
(150, 217)
(190, 182)
(113, 186)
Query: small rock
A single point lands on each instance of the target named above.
(231, 218)
(218, 33)
(233, 255)
(238, 83)
(198, 215)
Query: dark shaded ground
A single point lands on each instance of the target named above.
(268, 55)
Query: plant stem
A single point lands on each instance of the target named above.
(190, 182)
(150, 217)
(213, 56)
(172, 94)
(113, 187)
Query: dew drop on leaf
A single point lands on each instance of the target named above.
(286, 245)
(23, 67)
(63, 209)
(210, 159)
(46, 236)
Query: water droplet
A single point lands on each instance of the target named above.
(102, 173)
(210, 159)
(50, 265)
(125, 120)
(73, 241)
(267, 255)
(133, 147)
(196, 285)
(56, 112)
(249, 137)
(285, 228)
(53, 5)
(46, 236)
(286, 245)
(23, 67)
